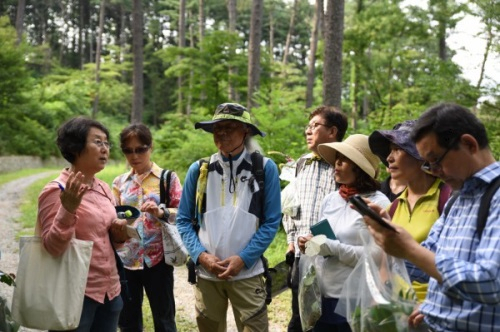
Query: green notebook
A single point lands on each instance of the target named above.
(323, 227)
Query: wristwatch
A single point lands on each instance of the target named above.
(166, 212)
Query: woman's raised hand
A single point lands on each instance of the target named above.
(72, 194)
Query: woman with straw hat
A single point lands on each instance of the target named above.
(356, 168)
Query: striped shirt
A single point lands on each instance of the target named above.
(469, 297)
(314, 181)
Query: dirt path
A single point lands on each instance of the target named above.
(11, 194)
(11, 197)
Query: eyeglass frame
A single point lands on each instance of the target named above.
(436, 166)
(102, 144)
(315, 125)
(138, 151)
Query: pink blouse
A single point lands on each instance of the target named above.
(91, 222)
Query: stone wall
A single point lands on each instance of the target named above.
(14, 163)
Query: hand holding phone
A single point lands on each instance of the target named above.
(365, 210)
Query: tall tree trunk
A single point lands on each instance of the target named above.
(489, 41)
(271, 33)
(138, 79)
(201, 20)
(254, 51)
(321, 5)
(98, 58)
(123, 39)
(201, 32)
(191, 75)
(182, 44)
(290, 32)
(81, 42)
(64, 36)
(231, 10)
(21, 5)
(334, 37)
(354, 96)
(312, 55)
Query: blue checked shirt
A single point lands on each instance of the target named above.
(314, 181)
(469, 297)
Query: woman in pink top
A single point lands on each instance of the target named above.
(80, 205)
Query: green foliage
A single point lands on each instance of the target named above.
(177, 144)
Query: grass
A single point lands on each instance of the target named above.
(11, 176)
(279, 309)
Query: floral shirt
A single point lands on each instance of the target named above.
(133, 189)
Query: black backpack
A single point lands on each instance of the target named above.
(258, 171)
(484, 206)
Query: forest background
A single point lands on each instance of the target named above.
(169, 63)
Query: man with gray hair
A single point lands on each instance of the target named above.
(233, 223)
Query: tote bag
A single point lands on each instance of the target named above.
(173, 248)
(49, 290)
(174, 251)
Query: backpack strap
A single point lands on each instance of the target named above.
(299, 166)
(165, 187)
(394, 206)
(258, 172)
(445, 192)
(484, 207)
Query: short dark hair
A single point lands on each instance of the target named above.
(449, 122)
(333, 117)
(364, 183)
(72, 136)
(138, 130)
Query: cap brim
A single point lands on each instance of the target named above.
(329, 152)
(380, 145)
(208, 126)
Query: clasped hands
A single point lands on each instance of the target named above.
(223, 269)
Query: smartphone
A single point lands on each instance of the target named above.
(365, 210)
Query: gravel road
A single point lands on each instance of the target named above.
(11, 194)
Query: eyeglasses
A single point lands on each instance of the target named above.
(435, 166)
(101, 144)
(314, 125)
(140, 150)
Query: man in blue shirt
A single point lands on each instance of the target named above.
(234, 229)
(463, 266)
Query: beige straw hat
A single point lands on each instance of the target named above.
(356, 148)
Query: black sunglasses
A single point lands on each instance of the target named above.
(140, 150)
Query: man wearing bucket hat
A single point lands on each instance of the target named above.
(461, 255)
(314, 180)
(233, 230)
(356, 168)
(420, 204)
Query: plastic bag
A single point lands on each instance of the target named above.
(377, 296)
(309, 290)
(289, 201)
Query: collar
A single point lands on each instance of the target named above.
(235, 157)
(155, 170)
(430, 192)
(483, 177)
